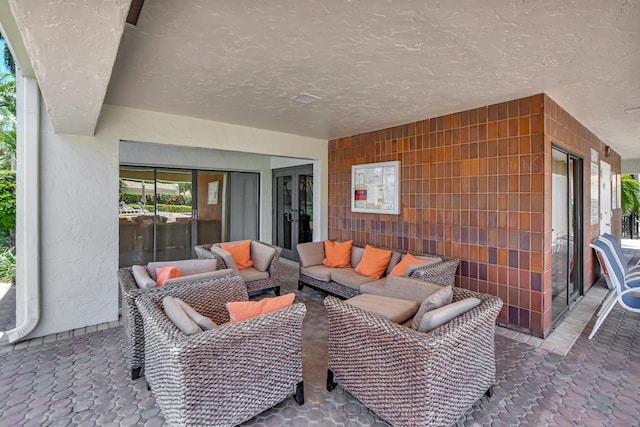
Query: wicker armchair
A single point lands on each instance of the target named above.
(232, 288)
(222, 376)
(412, 378)
(271, 281)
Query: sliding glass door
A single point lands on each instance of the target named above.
(164, 213)
(566, 223)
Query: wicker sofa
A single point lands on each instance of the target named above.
(346, 283)
(256, 280)
(132, 328)
(226, 375)
(412, 378)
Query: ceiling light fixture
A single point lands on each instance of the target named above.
(632, 110)
(306, 98)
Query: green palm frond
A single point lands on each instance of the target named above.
(630, 197)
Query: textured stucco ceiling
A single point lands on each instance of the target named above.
(374, 63)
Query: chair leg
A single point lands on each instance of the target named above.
(601, 318)
(611, 296)
(331, 384)
(300, 285)
(276, 291)
(490, 392)
(135, 373)
(299, 396)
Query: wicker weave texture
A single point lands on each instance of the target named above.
(204, 252)
(224, 376)
(411, 378)
(442, 273)
(228, 288)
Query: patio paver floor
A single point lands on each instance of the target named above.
(79, 378)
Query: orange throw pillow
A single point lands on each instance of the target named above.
(166, 273)
(374, 262)
(241, 253)
(402, 266)
(243, 310)
(337, 254)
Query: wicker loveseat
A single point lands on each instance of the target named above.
(345, 283)
(255, 279)
(132, 329)
(222, 376)
(412, 378)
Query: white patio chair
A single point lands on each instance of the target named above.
(626, 293)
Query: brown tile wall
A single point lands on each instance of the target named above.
(472, 187)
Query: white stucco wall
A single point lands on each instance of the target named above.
(79, 233)
(79, 190)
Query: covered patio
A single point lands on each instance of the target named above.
(79, 377)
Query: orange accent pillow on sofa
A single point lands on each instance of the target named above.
(243, 310)
(404, 264)
(241, 253)
(337, 254)
(166, 273)
(374, 262)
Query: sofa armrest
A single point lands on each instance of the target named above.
(204, 252)
(442, 273)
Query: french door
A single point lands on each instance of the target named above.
(566, 223)
(292, 208)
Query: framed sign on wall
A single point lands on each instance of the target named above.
(375, 188)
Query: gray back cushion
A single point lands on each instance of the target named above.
(203, 321)
(443, 297)
(187, 266)
(395, 259)
(356, 256)
(226, 257)
(179, 317)
(194, 277)
(142, 277)
(261, 255)
(442, 315)
(311, 253)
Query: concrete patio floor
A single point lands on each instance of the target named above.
(79, 378)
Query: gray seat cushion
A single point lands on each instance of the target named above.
(394, 309)
(408, 288)
(376, 287)
(250, 274)
(348, 277)
(318, 272)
